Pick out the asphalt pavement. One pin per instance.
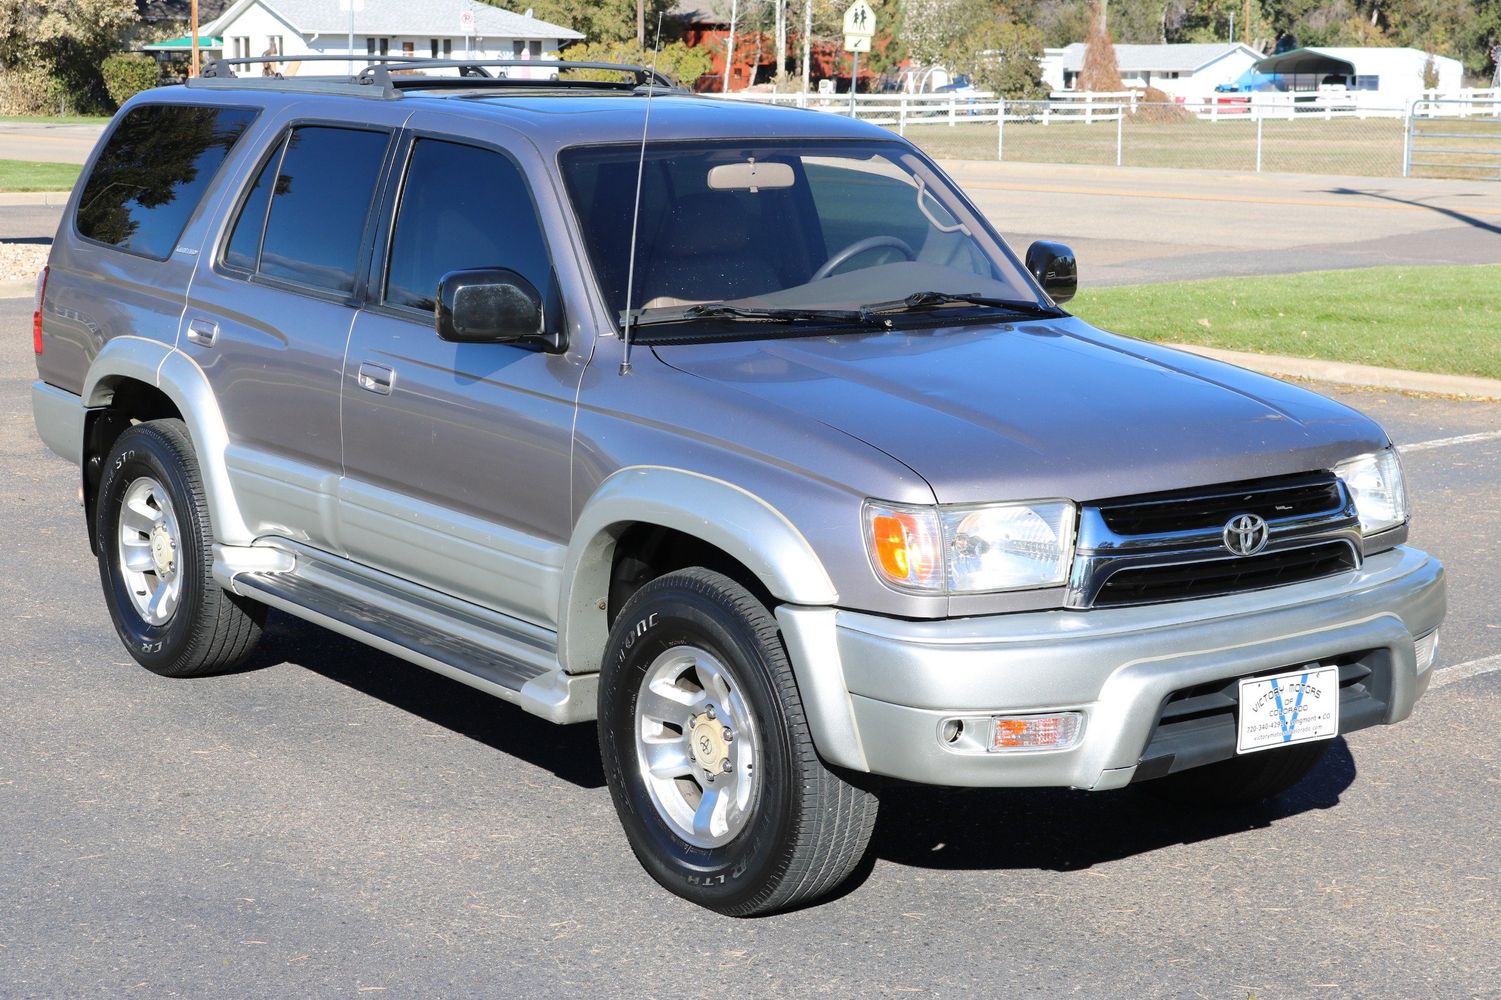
(1132, 225)
(332, 822)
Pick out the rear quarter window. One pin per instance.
(152, 173)
(305, 217)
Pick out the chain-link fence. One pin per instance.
(1324, 133)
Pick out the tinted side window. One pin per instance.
(462, 208)
(153, 171)
(245, 242)
(319, 206)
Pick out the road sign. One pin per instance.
(859, 20)
(466, 21)
(857, 43)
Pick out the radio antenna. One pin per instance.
(630, 274)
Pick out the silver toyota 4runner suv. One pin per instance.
(738, 429)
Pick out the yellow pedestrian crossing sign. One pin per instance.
(859, 20)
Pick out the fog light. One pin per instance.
(1426, 649)
(1035, 732)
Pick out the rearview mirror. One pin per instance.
(493, 306)
(1055, 269)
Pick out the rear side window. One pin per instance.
(153, 171)
(462, 208)
(305, 216)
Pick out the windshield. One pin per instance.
(781, 229)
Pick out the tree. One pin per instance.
(931, 28)
(677, 60)
(1101, 73)
(1010, 65)
(62, 43)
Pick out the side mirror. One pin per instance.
(493, 306)
(1055, 269)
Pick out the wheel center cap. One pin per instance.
(163, 552)
(710, 749)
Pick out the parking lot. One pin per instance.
(332, 822)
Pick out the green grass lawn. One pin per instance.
(1433, 319)
(57, 119)
(24, 175)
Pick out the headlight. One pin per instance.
(1375, 482)
(971, 549)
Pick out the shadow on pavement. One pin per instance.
(1455, 214)
(570, 752)
(1064, 830)
(942, 828)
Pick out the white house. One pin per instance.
(1394, 75)
(1179, 70)
(438, 29)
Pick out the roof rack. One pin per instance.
(376, 80)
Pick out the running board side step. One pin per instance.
(501, 656)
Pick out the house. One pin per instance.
(437, 29)
(1395, 74)
(1186, 71)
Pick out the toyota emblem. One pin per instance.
(1245, 534)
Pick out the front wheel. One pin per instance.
(708, 755)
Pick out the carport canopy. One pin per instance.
(1305, 62)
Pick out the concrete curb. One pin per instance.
(1342, 373)
(17, 289)
(51, 198)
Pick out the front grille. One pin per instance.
(1148, 584)
(1299, 496)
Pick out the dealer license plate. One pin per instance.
(1295, 707)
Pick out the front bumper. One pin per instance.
(877, 689)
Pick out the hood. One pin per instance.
(1051, 408)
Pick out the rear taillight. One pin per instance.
(36, 315)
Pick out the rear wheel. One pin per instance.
(156, 558)
(1241, 780)
(707, 752)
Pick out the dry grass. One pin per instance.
(1369, 147)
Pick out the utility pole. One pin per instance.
(1246, 24)
(641, 24)
(193, 17)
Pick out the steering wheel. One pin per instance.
(858, 247)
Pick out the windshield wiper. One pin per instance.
(756, 314)
(919, 300)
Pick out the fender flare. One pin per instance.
(742, 524)
(182, 381)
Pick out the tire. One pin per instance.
(158, 582)
(1241, 781)
(784, 829)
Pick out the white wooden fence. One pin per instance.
(956, 108)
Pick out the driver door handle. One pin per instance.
(375, 378)
(203, 332)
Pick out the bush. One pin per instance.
(32, 91)
(126, 75)
(1159, 106)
